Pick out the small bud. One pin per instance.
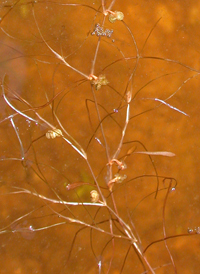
(94, 196)
(100, 81)
(52, 134)
(117, 15)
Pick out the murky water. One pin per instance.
(48, 52)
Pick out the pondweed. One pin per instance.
(93, 97)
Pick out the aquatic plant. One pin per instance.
(92, 98)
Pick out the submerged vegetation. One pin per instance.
(92, 103)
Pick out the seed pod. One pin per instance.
(94, 196)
